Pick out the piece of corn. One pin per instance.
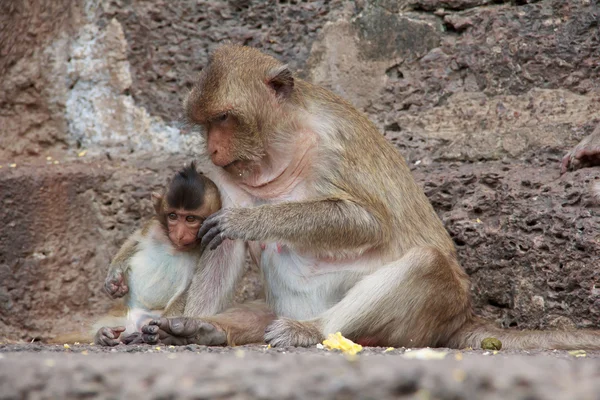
(338, 342)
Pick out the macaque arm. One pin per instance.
(214, 282)
(332, 224)
(177, 306)
(115, 283)
(127, 250)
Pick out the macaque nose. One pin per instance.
(218, 146)
(213, 148)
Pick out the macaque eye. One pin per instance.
(172, 216)
(190, 218)
(222, 117)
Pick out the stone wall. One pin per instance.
(481, 97)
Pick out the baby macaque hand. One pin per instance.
(115, 284)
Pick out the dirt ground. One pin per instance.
(35, 371)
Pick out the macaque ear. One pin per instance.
(157, 199)
(280, 79)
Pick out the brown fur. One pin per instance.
(313, 180)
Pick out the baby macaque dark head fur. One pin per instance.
(189, 199)
(187, 189)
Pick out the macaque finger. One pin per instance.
(208, 238)
(208, 224)
(216, 241)
(564, 164)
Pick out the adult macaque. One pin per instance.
(345, 238)
(154, 268)
(585, 154)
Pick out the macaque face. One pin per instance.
(183, 228)
(190, 198)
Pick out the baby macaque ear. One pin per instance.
(281, 80)
(157, 199)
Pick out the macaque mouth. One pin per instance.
(231, 164)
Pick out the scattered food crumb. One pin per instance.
(157, 348)
(320, 346)
(66, 346)
(77, 343)
(578, 353)
(338, 342)
(82, 153)
(171, 347)
(12, 165)
(48, 158)
(56, 161)
(426, 354)
(389, 349)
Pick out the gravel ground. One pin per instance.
(82, 371)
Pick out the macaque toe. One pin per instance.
(134, 338)
(150, 339)
(181, 331)
(150, 329)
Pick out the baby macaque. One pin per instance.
(154, 268)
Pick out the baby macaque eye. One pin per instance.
(172, 216)
(190, 218)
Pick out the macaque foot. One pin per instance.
(108, 336)
(585, 154)
(181, 331)
(115, 284)
(285, 332)
(134, 338)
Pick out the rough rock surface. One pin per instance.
(194, 372)
(481, 97)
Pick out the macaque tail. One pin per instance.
(579, 339)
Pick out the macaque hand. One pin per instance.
(227, 223)
(115, 284)
(108, 336)
(585, 154)
(180, 331)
